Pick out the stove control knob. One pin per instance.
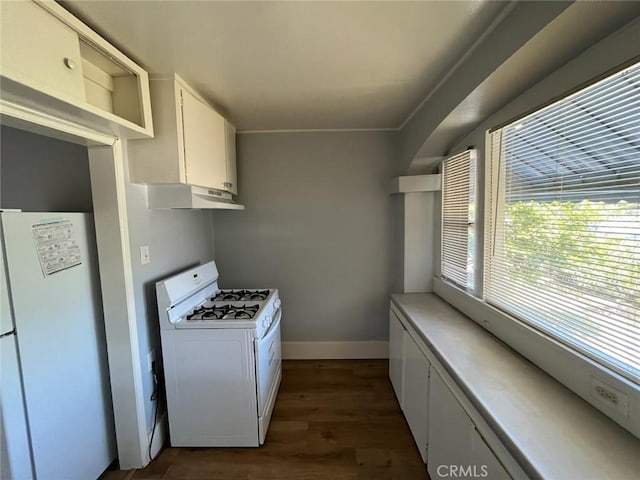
(276, 304)
(267, 321)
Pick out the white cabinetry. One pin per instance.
(456, 449)
(416, 392)
(204, 153)
(396, 333)
(409, 374)
(35, 42)
(446, 436)
(194, 145)
(230, 143)
(52, 62)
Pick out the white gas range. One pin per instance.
(222, 360)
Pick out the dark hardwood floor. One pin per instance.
(334, 420)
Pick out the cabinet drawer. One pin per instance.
(39, 50)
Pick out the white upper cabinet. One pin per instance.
(51, 62)
(232, 175)
(35, 42)
(194, 145)
(203, 130)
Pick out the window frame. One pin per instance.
(472, 219)
(499, 176)
(571, 368)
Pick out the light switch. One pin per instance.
(144, 255)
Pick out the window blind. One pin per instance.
(563, 210)
(458, 218)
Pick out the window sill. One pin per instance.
(548, 430)
(570, 368)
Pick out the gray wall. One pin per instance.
(40, 174)
(317, 226)
(177, 240)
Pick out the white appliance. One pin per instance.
(56, 416)
(222, 360)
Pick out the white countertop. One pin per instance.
(549, 430)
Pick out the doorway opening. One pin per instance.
(104, 157)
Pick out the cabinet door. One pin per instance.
(482, 455)
(39, 50)
(395, 354)
(415, 396)
(456, 450)
(449, 430)
(230, 141)
(204, 143)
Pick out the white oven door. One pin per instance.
(268, 361)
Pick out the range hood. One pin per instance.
(178, 196)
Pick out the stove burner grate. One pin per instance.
(225, 312)
(241, 295)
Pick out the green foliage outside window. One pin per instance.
(589, 247)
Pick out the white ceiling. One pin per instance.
(299, 65)
(574, 30)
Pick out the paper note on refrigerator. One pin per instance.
(56, 247)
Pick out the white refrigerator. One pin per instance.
(56, 416)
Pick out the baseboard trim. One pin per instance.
(334, 350)
(160, 435)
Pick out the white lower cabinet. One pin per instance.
(482, 455)
(446, 436)
(409, 374)
(416, 392)
(396, 333)
(456, 449)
